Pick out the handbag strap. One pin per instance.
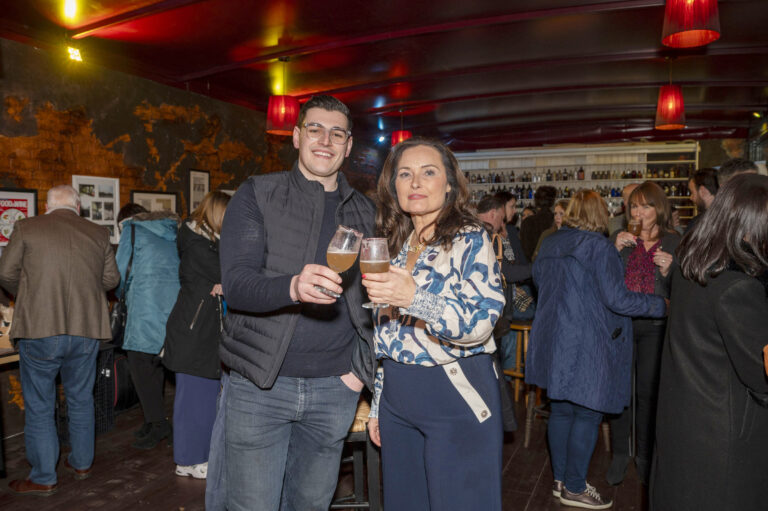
(498, 250)
(130, 262)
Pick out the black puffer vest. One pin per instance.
(254, 344)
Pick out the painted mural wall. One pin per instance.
(59, 118)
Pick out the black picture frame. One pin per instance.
(156, 201)
(199, 186)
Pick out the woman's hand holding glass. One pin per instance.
(396, 287)
(625, 239)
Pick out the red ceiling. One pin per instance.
(481, 74)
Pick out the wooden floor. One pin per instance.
(128, 479)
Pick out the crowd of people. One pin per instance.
(271, 348)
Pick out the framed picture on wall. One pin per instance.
(155, 201)
(15, 204)
(199, 184)
(99, 201)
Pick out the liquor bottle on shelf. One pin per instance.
(511, 176)
(529, 192)
(673, 190)
(549, 175)
(580, 174)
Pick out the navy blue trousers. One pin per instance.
(436, 455)
(194, 410)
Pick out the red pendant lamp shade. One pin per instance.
(400, 135)
(670, 110)
(689, 23)
(282, 113)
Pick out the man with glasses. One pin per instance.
(298, 357)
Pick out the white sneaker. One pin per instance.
(199, 471)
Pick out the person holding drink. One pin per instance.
(298, 357)
(647, 250)
(436, 412)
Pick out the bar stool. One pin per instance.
(523, 329)
(364, 455)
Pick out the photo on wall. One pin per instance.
(155, 201)
(199, 184)
(15, 204)
(99, 201)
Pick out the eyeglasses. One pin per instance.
(317, 131)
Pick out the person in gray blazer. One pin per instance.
(59, 267)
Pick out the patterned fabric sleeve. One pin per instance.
(461, 306)
(378, 386)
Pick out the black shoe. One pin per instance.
(143, 430)
(157, 432)
(617, 470)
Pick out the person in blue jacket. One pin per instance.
(150, 292)
(581, 341)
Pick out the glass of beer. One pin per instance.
(342, 252)
(374, 258)
(634, 227)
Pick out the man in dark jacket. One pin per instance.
(59, 266)
(534, 225)
(298, 357)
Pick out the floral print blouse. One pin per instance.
(458, 299)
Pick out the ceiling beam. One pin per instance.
(344, 42)
(406, 106)
(125, 17)
(569, 60)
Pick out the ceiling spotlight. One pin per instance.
(382, 138)
(757, 115)
(70, 9)
(74, 54)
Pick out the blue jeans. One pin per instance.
(40, 360)
(216, 481)
(284, 444)
(572, 434)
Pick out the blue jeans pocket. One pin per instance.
(40, 349)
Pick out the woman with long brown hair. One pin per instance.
(192, 336)
(648, 261)
(436, 411)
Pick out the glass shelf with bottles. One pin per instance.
(653, 170)
(674, 188)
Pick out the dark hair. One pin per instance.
(545, 196)
(732, 229)
(735, 166)
(489, 203)
(650, 193)
(129, 210)
(707, 178)
(326, 103)
(505, 196)
(396, 225)
(210, 213)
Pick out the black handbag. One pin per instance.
(119, 314)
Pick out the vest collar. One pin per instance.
(305, 185)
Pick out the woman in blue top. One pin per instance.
(438, 416)
(152, 286)
(581, 341)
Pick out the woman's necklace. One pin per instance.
(417, 248)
